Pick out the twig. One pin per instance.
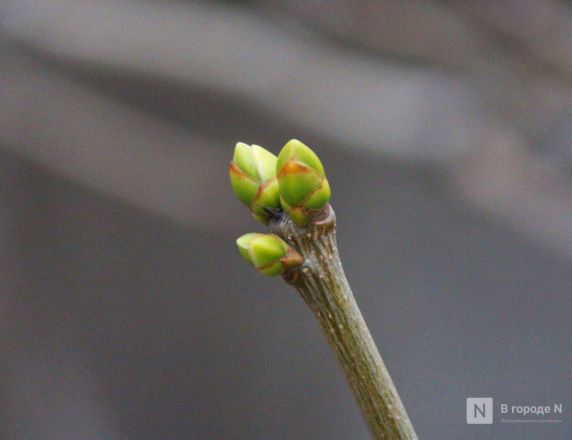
(323, 285)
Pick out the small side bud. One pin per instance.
(303, 187)
(253, 179)
(268, 253)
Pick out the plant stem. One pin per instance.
(323, 285)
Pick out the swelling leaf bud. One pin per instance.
(253, 179)
(304, 189)
(268, 253)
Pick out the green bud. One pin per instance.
(304, 189)
(253, 179)
(268, 253)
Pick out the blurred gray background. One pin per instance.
(125, 310)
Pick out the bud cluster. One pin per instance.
(294, 182)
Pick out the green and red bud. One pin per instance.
(253, 179)
(268, 253)
(303, 187)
